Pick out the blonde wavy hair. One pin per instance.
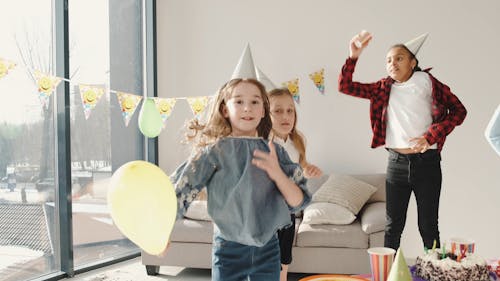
(217, 126)
(295, 135)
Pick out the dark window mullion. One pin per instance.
(63, 138)
(150, 67)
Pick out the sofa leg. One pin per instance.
(153, 269)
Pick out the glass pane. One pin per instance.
(96, 132)
(27, 241)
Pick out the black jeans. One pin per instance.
(286, 236)
(420, 173)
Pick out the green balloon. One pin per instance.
(150, 122)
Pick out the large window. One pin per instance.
(105, 51)
(100, 141)
(27, 243)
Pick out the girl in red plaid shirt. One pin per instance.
(411, 114)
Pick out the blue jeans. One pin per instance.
(232, 261)
(419, 173)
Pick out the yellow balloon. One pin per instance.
(143, 205)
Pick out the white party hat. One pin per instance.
(265, 80)
(399, 269)
(414, 44)
(245, 67)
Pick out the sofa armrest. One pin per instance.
(373, 217)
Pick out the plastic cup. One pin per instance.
(381, 260)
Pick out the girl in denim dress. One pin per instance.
(252, 185)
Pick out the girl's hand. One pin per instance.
(421, 145)
(268, 162)
(311, 171)
(354, 49)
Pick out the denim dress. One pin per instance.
(244, 203)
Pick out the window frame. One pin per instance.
(63, 218)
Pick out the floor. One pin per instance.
(133, 270)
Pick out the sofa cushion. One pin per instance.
(313, 184)
(327, 213)
(186, 230)
(373, 217)
(332, 235)
(378, 181)
(197, 210)
(346, 191)
(377, 239)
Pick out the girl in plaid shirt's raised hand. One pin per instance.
(411, 113)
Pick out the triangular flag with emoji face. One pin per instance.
(128, 104)
(46, 86)
(165, 107)
(90, 96)
(399, 269)
(293, 87)
(318, 80)
(5, 66)
(197, 105)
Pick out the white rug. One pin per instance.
(133, 270)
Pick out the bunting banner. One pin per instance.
(165, 107)
(128, 104)
(5, 66)
(90, 96)
(198, 105)
(318, 80)
(293, 87)
(46, 86)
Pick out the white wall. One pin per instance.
(199, 43)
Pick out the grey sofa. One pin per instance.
(324, 248)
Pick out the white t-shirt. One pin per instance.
(289, 147)
(409, 113)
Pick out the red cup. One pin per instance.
(381, 260)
